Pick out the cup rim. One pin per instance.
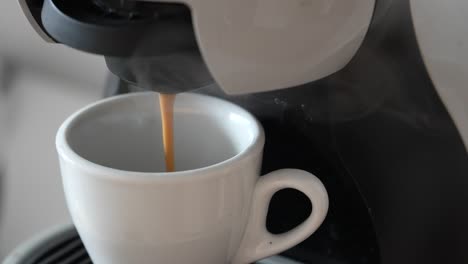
(67, 153)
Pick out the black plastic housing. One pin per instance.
(83, 26)
(152, 46)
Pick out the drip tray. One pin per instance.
(62, 245)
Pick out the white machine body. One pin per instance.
(261, 45)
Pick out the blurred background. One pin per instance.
(40, 85)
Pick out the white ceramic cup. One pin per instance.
(211, 211)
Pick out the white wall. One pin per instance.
(31, 198)
(20, 44)
(48, 82)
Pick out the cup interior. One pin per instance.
(125, 132)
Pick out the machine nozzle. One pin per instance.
(121, 8)
(151, 45)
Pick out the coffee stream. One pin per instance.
(166, 104)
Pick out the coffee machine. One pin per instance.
(366, 94)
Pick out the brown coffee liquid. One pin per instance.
(166, 103)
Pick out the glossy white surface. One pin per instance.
(261, 45)
(191, 216)
(442, 33)
(258, 242)
(23, 250)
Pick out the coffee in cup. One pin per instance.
(212, 210)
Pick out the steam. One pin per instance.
(170, 73)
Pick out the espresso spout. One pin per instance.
(150, 45)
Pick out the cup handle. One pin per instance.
(257, 242)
